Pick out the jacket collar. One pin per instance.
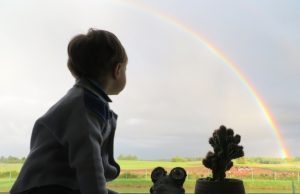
(94, 87)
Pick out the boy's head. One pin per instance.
(98, 55)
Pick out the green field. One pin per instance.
(135, 176)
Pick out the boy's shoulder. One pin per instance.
(77, 101)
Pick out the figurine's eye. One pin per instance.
(157, 173)
(178, 174)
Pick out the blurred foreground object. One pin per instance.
(168, 184)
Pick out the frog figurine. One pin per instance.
(168, 184)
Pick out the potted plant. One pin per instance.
(226, 148)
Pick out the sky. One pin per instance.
(178, 89)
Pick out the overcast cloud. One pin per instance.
(178, 92)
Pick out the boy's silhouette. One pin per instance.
(71, 147)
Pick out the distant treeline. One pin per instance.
(265, 160)
(127, 157)
(243, 160)
(12, 159)
(185, 159)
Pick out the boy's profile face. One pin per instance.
(120, 78)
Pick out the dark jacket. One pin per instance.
(72, 143)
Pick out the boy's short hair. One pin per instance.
(94, 54)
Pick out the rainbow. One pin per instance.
(259, 100)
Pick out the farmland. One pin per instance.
(135, 175)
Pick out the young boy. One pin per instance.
(71, 147)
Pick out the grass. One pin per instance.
(125, 164)
(128, 165)
(256, 186)
(6, 184)
(4, 167)
(142, 184)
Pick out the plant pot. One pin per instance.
(230, 186)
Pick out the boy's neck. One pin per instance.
(104, 85)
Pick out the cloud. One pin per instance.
(177, 93)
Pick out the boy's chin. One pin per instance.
(111, 94)
(114, 93)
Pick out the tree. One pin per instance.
(178, 159)
(127, 157)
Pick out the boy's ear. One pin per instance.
(117, 70)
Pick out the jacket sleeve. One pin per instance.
(83, 140)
